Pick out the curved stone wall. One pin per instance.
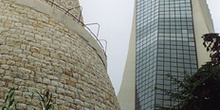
(40, 53)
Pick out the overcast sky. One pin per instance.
(115, 18)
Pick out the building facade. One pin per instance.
(45, 46)
(165, 39)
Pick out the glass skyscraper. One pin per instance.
(165, 43)
(166, 39)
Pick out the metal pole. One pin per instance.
(106, 43)
(97, 25)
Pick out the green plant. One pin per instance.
(45, 100)
(10, 102)
(199, 91)
(212, 45)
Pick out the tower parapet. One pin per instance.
(68, 6)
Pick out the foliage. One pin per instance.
(45, 100)
(10, 102)
(212, 44)
(197, 92)
(201, 91)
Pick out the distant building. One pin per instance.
(45, 46)
(165, 38)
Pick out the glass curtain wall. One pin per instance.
(146, 52)
(165, 44)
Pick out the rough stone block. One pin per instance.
(51, 88)
(60, 91)
(5, 67)
(2, 71)
(29, 84)
(24, 70)
(2, 83)
(45, 44)
(46, 81)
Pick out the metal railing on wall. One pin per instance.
(97, 24)
(67, 11)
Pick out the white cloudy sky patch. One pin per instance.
(115, 18)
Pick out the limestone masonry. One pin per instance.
(42, 48)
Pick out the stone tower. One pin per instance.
(44, 46)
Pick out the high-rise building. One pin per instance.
(165, 39)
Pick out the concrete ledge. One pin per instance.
(72, 25)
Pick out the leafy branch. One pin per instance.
(10, 101)
(200, 90)
(212, 44)
(45, 100)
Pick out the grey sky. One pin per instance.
(115, 18)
